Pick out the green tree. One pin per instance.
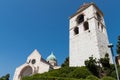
(107, 68)
(105, 61)
(91, 64)
(6, 77)
(118, 46)
(66, 63)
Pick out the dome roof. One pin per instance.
(51, 57)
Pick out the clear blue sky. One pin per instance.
(26, 25)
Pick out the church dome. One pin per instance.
(51, 57)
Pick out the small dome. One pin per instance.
(51, 57)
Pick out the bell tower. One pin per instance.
(87, 35)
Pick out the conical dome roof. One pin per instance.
(51, 57)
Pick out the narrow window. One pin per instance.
(98, 16)
(102, 27)
(29, 60)
(76, 30)
(86, 26)
(80, 18)
(98, 25)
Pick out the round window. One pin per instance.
(33, 61)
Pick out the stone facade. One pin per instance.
(34, 64)
(87, 35)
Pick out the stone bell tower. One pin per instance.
(87, 35)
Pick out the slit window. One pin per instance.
(102, 28)
(98, 16)
(98, 25)
(86, 26)
(76, 30)
(80, 19)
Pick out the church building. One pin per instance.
(87, 35)
(36, 64)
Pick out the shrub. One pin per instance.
(108, 78)
(80, 72)
(91, 64)
(91, 77)
(64, 72)
(105, 61)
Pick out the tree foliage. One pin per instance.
(101, 67)
(67, 73)
(80, 72)
(6, 77)
(105, 61)
(91, 71)
(64, 73)
(91, 64)
(118, 46)
(66, 63)
(92, 77)
(108, 78)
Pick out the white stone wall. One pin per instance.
(18, 71)
(39, 66)
(89, 42)
(43, 67)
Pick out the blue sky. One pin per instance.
(26, 25)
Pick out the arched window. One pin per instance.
(86, 26)
(80, 19)
(76, 30)
(26, 71)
